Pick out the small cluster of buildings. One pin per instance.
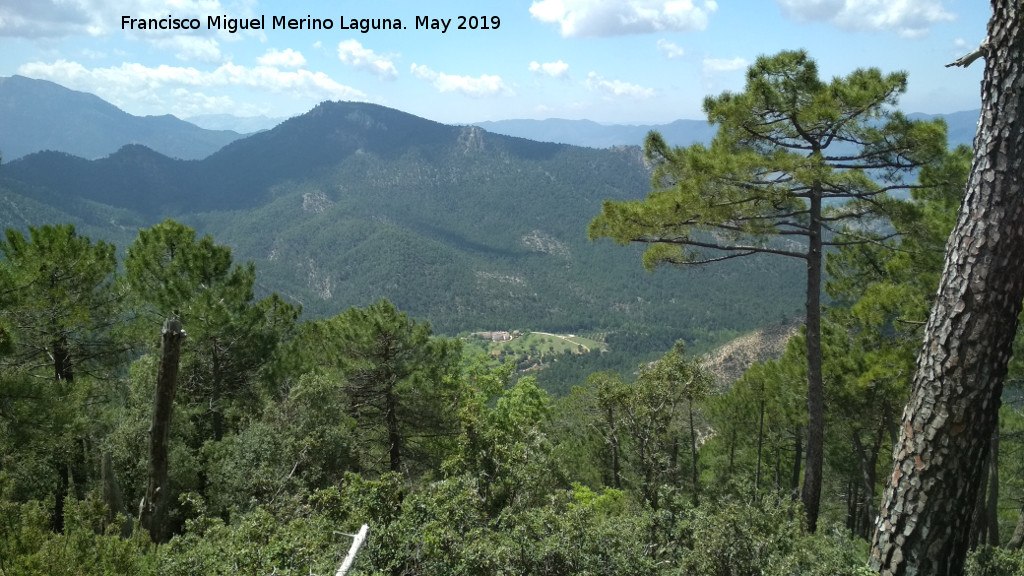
(500, 336)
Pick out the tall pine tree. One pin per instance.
(795, 158)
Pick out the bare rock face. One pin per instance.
(730, 361)
(544, 243)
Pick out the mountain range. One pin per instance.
(353, 202)
(38, 115)
(961, 129)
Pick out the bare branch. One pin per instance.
(968, 59)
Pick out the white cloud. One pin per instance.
(670, 49)
(909, 18)
(617, 88)
(190, 48)
(557, 69)
(59, 18)
(287, 58)
(352, 53)
(620, 17)
(718, 65)
(484, 85)
(173, 88)
(48, 18)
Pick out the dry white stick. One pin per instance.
(968, 59)
(357, 541)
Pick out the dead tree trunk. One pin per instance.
(924, 522)
(153, 510)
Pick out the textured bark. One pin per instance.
(924, 522)
(153, 510)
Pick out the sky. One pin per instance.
(610, 61)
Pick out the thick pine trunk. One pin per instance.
(811, 495)
(924, 523)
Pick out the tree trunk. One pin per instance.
(778, 470)
(992, 503)
(111, 494)
(924, 523)
(394, 439)
(62, 366)
(798, 458)
(63, 480)
(1017, 539)
(811, 495)
(614, 439)
(868, 459)
(851, 506)
(693, 454)
(979, 528)
(218, 414)
(760, 444)
(153, 510)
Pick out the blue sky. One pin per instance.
(612, 61)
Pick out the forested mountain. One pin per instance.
(39, 115)
(352, 202)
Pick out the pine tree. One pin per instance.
(794, 159)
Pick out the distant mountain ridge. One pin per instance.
(37, 115)
(962, 126)
(593, 135)
(240, 124)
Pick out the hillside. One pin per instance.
(729, 361)
(353, 202)
(38, 115)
